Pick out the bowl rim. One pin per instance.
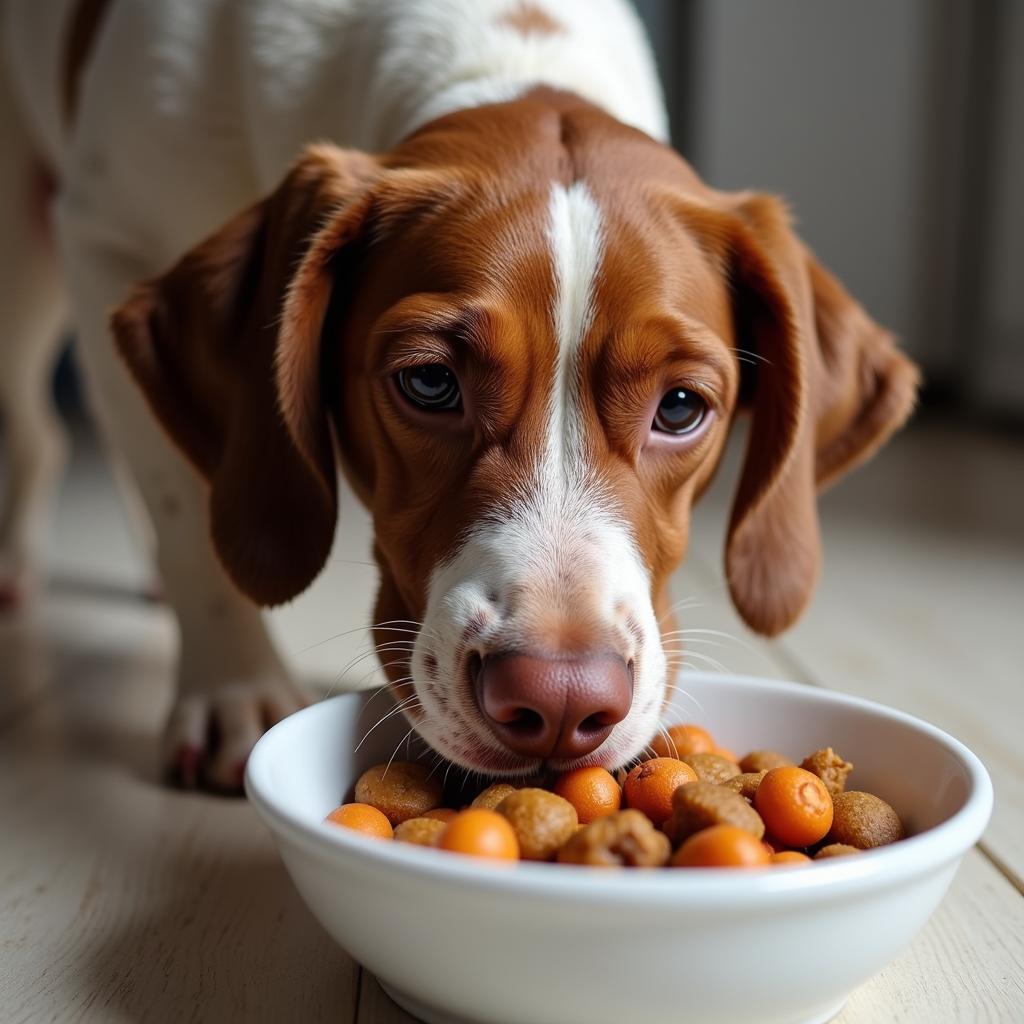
(888, 866)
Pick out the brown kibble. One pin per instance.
(623, 839)
(444, 814)
(745, 784)
(864, 821)
(763, 761)
(829, 767)
(835, 850)
(420, 831)
(401, 790)
(699, 805)
(492, 796)
(712, 767)
(542, 821)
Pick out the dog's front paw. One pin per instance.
(18, 583)
(208, 735)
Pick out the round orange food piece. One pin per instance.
(592, 791)
(649, 786)
(721, 846)
(790, 857)
(479, 832)
(795, 804)
(680, 740)
(362, 818)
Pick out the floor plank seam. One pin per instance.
(1001, 866)
(360, 971)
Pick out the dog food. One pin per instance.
(480, 833)
(402, 790)
(362, 818)
(620, 839)
(745, 784)
(699, 805)
(650, 785)
(711, 767)
(835, 850)
(763, 760)
(787, 857)
(829, 767)
(592, 791)
(493, 795)
(694, 805)
(722, 846)
(795, 805)
(864, 821)
(420, 831)
(542, 821)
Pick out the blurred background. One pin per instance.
(896, 132)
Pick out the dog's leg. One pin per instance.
(32, 314)
(231, 684)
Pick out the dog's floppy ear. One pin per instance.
(226, 348)
(828, 388)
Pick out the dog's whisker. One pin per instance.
(395, 754)
(376, 652)
(669, 742)
(678, 606)
(690, 697)
(397, 709)
(708, 660)
(359, 629)
(686, 641)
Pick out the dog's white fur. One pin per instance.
(558, 554)
(188, 111)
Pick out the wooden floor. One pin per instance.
(122, 901)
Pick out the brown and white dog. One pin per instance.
(490, 291)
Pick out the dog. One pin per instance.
(445, 246)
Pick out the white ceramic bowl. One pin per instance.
(458, 940)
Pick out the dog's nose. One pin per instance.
(553, 707)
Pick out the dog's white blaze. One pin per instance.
(574, 233)
(559, 545)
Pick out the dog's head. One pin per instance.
(526, 331)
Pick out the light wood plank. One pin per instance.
(121, 900)
(965, 966)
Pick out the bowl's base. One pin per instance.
(429, 1015)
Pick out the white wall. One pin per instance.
(822, 101)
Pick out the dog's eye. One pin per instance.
(680, 412)
(432, 387)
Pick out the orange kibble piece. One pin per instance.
(682, 740)
(592, 791)
(649, 786)
(440, 814)
(362, 818)
(790, 857)
(795, 804)
(479, 832)
(721, 846)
